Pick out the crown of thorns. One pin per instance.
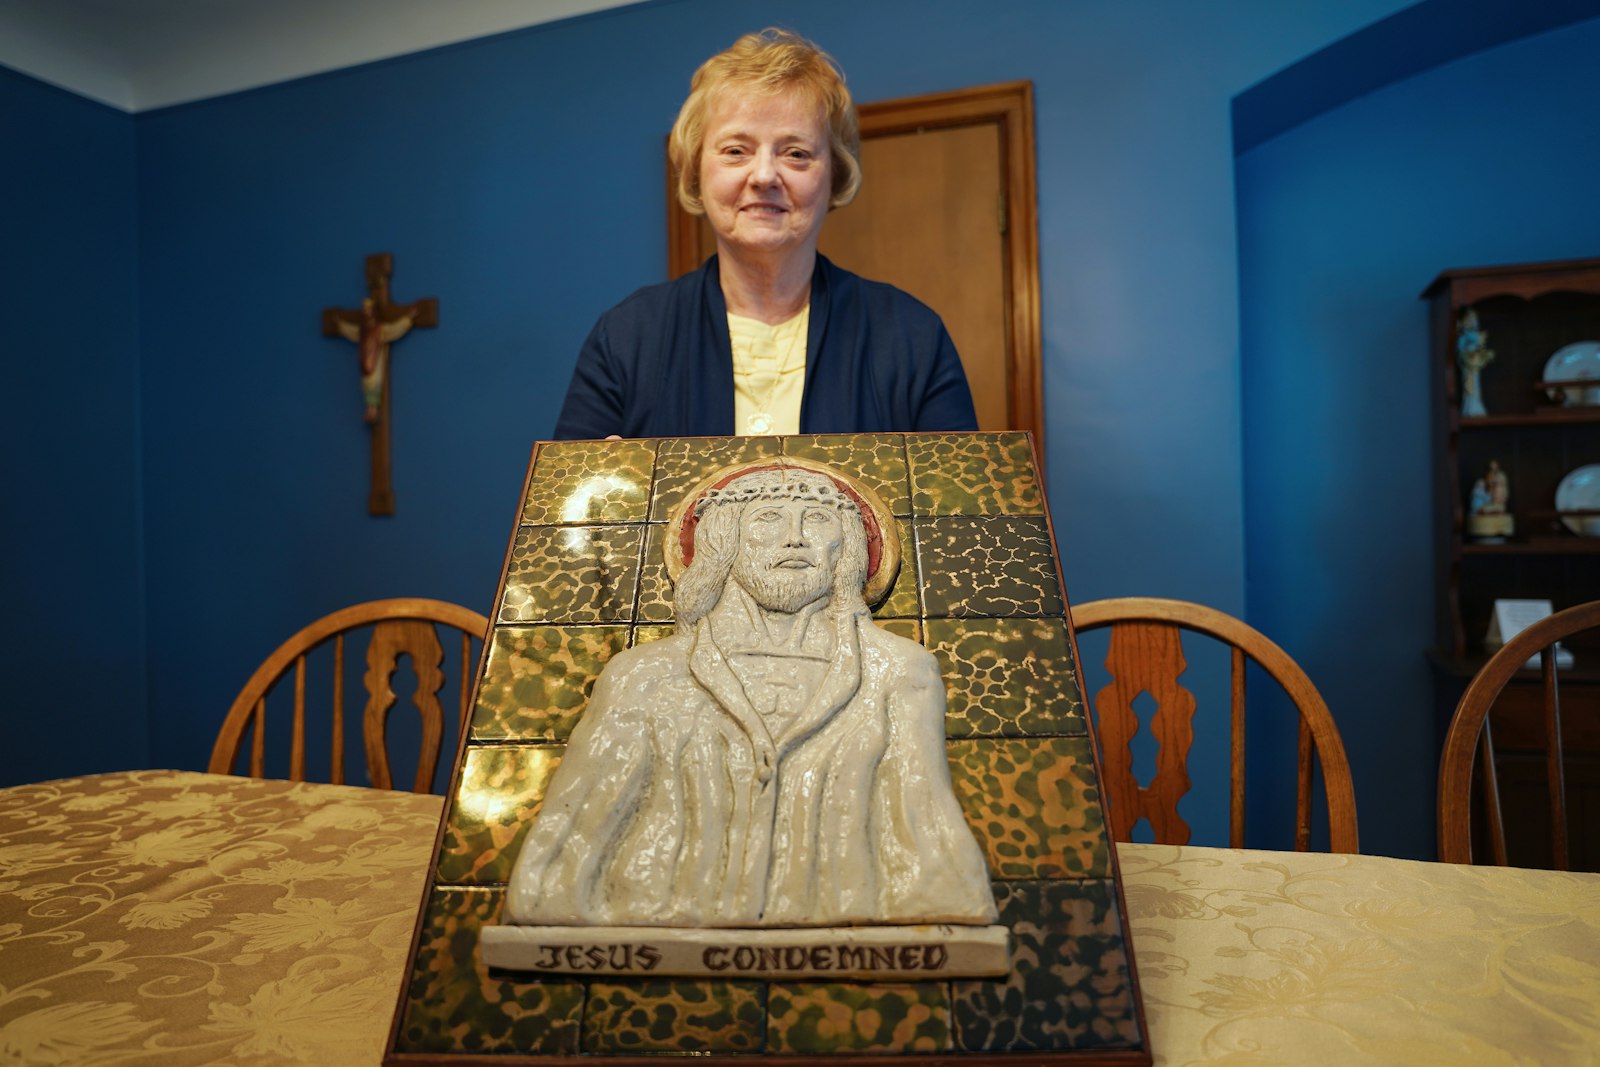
(818, 493)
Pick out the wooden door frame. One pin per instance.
(1010, 106)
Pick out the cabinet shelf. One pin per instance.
(1542, 417)
(1525, 313)
(1464, 668)
(1539, 546)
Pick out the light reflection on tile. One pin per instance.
(572, 574)
(538, 680)
(589, 482)
(502, 787)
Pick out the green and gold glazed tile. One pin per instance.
(453, 1004)
(1033, 804)
(538, 680)
(655, 588)
(910, 629)
(674, 1015)
(1007, 677)
(978, 474)
(572, 574)
(877, 459)
(590, 482)
(1069, 986)
(978, 585)
(653, 632)
(902, 603)
(826, 1018)
(683, 462)
(994, 567)
(501, 789)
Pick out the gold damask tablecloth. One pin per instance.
(171, 918)
(165, 917)
(1251, 958)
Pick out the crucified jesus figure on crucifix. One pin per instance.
(373, 326)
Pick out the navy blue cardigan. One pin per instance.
(659, 364)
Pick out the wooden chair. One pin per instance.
(1469, 740)
(1146, 656)
(402, 626)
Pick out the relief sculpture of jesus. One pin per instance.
(778, 762)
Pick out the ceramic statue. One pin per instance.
(779, 761)
(1489, 506)
(1472, 354)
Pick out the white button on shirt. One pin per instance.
(769, 373)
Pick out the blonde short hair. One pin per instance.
(772, 61)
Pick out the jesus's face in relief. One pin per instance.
(787, 552)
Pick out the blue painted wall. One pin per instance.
(73, 591)
(1342, 222)
(1418, 38)
(519, 180)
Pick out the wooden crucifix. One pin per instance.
(374, 326)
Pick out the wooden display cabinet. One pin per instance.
(1527, 313)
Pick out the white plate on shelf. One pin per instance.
(1577, 362)
(1580, 491)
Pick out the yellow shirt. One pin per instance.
(769, 373)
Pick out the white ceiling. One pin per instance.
(140, 54)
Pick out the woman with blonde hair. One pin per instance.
(768, 336)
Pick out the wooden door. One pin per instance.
(947, 213)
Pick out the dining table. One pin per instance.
(173, 918)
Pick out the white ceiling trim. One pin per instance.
(140, 54)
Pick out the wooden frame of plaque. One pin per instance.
(585, 577)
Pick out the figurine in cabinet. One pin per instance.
(1489, 511)
(1472, 354)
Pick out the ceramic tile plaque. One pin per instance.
(979, 585)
